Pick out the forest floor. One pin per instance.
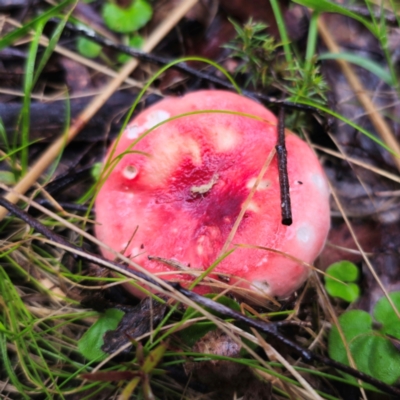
(66, 89)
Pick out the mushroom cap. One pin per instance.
(178, 191)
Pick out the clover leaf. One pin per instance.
(346, 273)
(126, 20)
(372, 351)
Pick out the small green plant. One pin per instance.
(264, 65)
(138, 373)
(340, 281)
(126, 20)
(306, 81)
(372, 348)
(257, 51)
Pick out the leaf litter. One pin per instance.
(369, 199)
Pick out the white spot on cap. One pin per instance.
(130, 172)
(320, 183)
(135, 252)
(262, 262)
(264, 184)
(132, 131)
(253, 207)
(305, 233)
(124, 246)
(156, 117)
(261, 286)
(225, 138)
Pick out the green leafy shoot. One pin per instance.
(263, 65)
(340, 281)
(256, 50)
(306, 83)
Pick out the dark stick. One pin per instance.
(35, 224)
(281, 154)
(270, 328)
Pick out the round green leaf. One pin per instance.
(353, 323)
(384, 360)
(88, 48)
(92, 340)
(126, 20)
(343, 287)
(376, 356)
(373, 353)
(384, 313)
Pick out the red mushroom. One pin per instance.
(177, 194)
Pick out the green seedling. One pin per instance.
(373, 349)
(340, 281)
(260, 59)
(147, 367)
(140, 373)
(256, 49)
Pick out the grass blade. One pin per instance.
(369, 65)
